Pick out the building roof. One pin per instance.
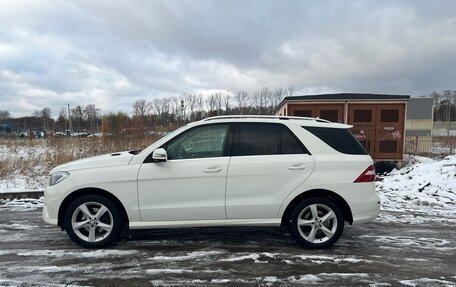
(345, 97)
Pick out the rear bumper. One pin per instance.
(365, 217)
(363, 201)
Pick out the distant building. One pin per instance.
(418, 128)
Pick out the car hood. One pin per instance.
(106, 160)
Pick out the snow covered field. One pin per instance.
(24, 167)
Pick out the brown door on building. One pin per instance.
(379, 128)
(362, 117)
(390, 129)
(331, 112)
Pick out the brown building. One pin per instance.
(378, 120)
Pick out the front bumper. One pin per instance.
(53, 198)
(47, 218)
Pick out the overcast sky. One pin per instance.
(112, 53)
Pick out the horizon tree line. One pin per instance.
(167, 113)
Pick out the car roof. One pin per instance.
(301, 121)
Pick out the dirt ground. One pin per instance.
(382, 253)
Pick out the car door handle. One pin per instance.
(297, 167)
(213, 170)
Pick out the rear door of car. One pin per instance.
(268, 162)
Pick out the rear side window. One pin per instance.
(341, 140)
(266, 139)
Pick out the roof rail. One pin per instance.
(265, 117)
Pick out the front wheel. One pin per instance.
(93, 221)
(316, 223)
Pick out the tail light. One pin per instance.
(367, 176)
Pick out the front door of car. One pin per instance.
(190, 184)
(268, 163)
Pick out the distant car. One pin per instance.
(308, 174)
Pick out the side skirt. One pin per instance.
(205, 223)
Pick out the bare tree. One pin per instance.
(4, 115)
(77, 118)
(45, 115)
(276, 97)
(218, 97)
(191, 105)
(241, 98)
(141, 109)
(201, 113)
(61, 120)
(261, 99)
(211, 103)
(226, 103)
(290, 91)
(165, 108)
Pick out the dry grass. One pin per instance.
(31, 160)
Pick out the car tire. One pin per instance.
(93, 221)
(316, 223)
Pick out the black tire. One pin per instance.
(314, 226)
(91, 235)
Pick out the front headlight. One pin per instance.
(57, 177)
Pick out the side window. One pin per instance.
(341, 140)
(259, 139)
(290, 144)
(267, 139)
(200, 142)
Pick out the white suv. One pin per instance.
(309, 174)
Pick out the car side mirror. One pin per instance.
(159, 155)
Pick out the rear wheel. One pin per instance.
(316, 223)
(93, 221)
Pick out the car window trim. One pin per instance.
(228, 142)
(237, 135)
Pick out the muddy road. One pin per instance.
(387, 252)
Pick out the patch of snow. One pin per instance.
(420, 281)
(270, 279)
(83, 254)
(220, 281)
(426, 243)
(168, 271)
(288, 261)
(303, 278)
(251, 256)
(17, 226)
(344, 275)
(319, 259)
(426, 187)
(6, 252)
(416, 259)
(188, 256)
(25, 204)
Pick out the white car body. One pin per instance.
(219, 191)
